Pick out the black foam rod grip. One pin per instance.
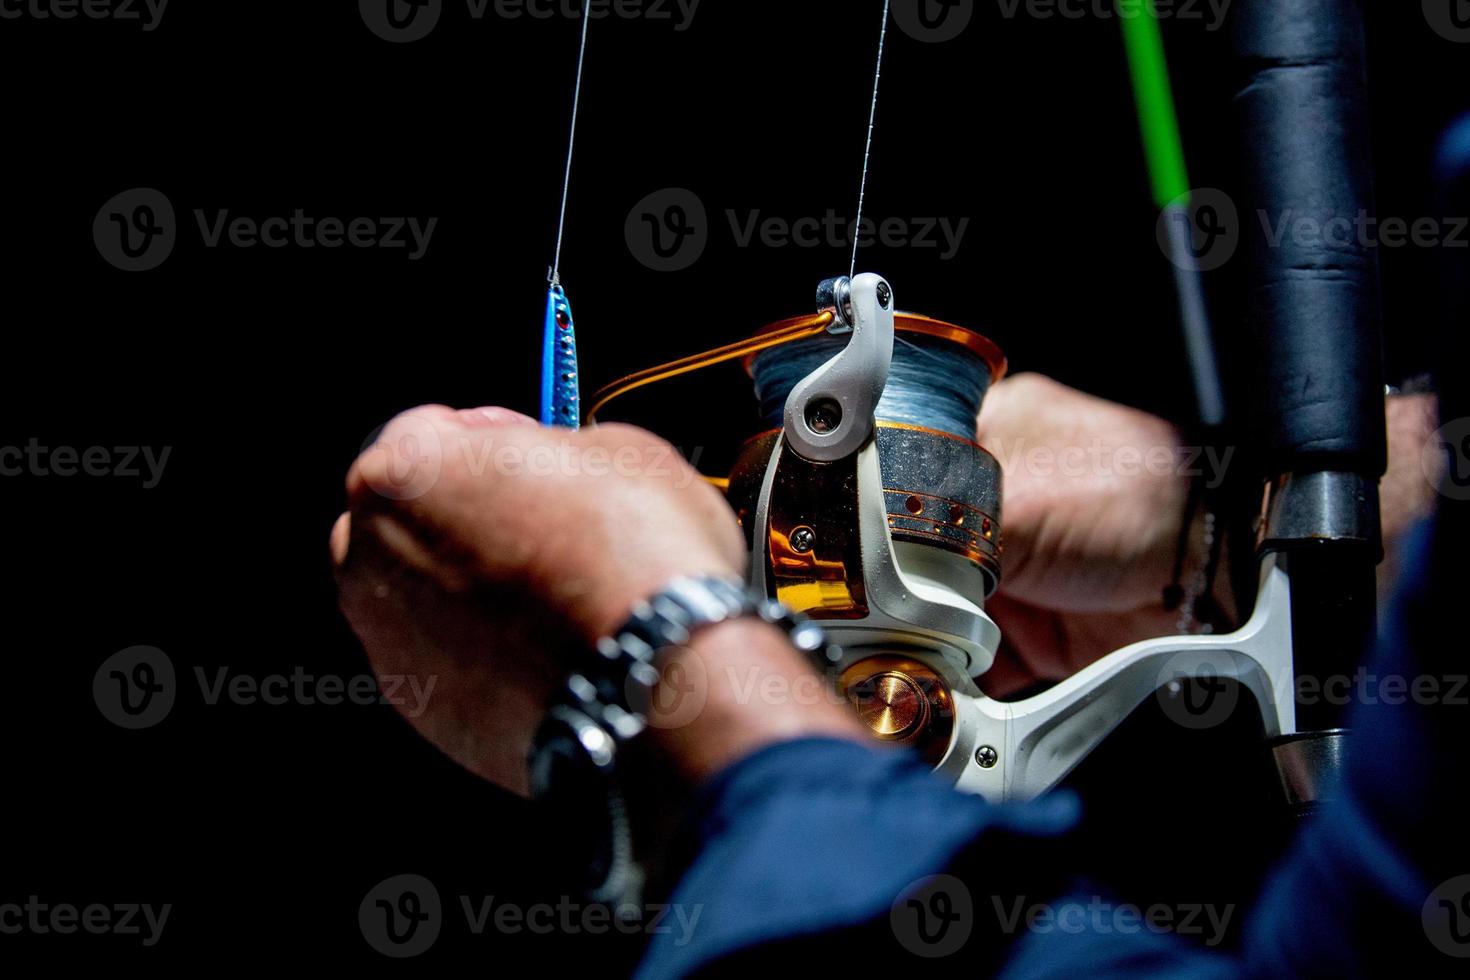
(1314, 307)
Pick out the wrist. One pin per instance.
(698, 675)
(736, 688)
(701, 669)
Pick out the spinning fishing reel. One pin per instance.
(881, 516)
(884, 523)
(888, 532)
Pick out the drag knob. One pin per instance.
(891, 704)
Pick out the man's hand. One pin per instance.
(1095, 495)
(480, 548)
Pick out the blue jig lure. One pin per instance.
(561, 400)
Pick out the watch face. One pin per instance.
(569, 749)
(573, 781)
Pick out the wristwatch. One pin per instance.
(606, 702)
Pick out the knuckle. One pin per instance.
(405, 461)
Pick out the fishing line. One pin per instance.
(566, 184)
(561, 392)
(932, 383)
(868, 150)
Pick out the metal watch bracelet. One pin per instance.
(607, 698)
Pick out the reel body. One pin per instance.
(886, 527)
(887, 531)
(896, 544)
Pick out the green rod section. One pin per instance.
(1162, 145)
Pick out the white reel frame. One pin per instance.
(1000, 750)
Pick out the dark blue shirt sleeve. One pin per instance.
(861, 857)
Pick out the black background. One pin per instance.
(266, 370)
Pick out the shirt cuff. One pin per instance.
(817, 835)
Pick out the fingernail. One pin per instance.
(341, 536)
(493, 415)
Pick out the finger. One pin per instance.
(493, 415)
(1033, 640)
(405, 459)
(1007, 676)
(341, 535)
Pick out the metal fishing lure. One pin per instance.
(561, 400)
